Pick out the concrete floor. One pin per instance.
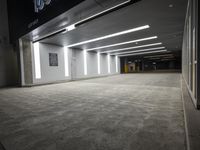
(123, 112)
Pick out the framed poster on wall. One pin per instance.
(53, 59)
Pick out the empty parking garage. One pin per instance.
(99, 75)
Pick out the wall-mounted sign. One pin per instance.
(40, 4)
(26, 15)
(53, 59)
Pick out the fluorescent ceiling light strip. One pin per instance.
(158, 56)
(123, 49)
(123, 43)
(154, 58)
(143, 50)
(110, 35)
(143, 53)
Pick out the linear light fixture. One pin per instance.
(85, 62)
(110, 35)
(123, 43)
(99, 63)
(135, 54)
(37, 60)
(128, 48)
(159, 55)
(108, 63)
(143, 50)
(167, 59)
(66, 60)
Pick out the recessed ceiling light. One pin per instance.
(123, 43)
(134, 54)
(143, 50)
(123, 49)
(110, 35)
(171, 5)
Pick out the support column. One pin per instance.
(26, 62)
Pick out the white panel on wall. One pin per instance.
(92, 63)
(51, 73)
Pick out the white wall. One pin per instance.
(50, 73)
(76, 64)
(92, 64)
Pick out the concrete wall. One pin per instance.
(8, 59)
(75, 64)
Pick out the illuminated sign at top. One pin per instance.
(40, 4)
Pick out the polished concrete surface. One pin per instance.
(122, 112)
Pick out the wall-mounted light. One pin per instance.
(66, 60)
(37, 60)
(85, 62)
(109, 71)
(99, 63)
